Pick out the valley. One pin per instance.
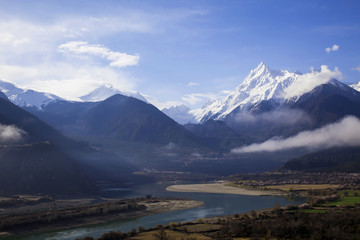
(179, 120)
(92, 162)
(312, 199)
(325, 205)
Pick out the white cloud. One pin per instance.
(161, 104)
(356, 69)
(15, 32)
(192, 84)
(29, 56)
(65, 79)
(11, 134)
(117, 59)
(195, 98)
(307, 82)
(333, 48)
(343, 133)
(188, 99)
(226, 92)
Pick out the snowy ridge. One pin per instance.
(103, 92)
(26, 98)
(180, 114)
(356, 86)
(261, 84)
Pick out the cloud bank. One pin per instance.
(343, 133)
(333, 48)
(195, 98)
(356, 69)
(22, 41)
(307, 82)
(11, 134)
(65, 79)
(117, 59)
(192, 84)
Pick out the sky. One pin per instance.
(173, 52)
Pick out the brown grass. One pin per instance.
(199, 228)
(174, 235)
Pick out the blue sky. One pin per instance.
(172, 51)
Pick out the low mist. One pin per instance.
(11, 134)
(343, 133)
(307, 82)
(283, 117)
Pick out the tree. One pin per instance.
(253, 214)
(162, 235)
(113, 236)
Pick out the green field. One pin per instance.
(301, 187)
(349, 198)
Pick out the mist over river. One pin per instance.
(214, 205)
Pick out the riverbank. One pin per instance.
(56, 220)
(222, 188)
(339, 212)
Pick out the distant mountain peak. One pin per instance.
(261, 68)
(105, 91)
(180, 113)
(26, 97)
(262, 83)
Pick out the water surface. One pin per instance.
(215, 205)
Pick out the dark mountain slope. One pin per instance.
(330, 160)
(212, 129)
(62, 115)
(3, 96)
(41, 169)
(328, 103)
(37, 164)
(126, 132)
(129, 119)
(119, 118)
(37, 130)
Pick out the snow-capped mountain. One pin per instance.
(103, 92)
(26, 97)
(261, 84)
(180, 114)
(356, 86)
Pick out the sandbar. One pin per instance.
(220, 188)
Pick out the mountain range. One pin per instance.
(261, 107)
(107, 136)
(26, 97)
(265, 89)
(30, 98)
(180, 113)
(103, 92)
(260, 85)
(118, 118)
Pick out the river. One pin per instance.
(215, 205)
